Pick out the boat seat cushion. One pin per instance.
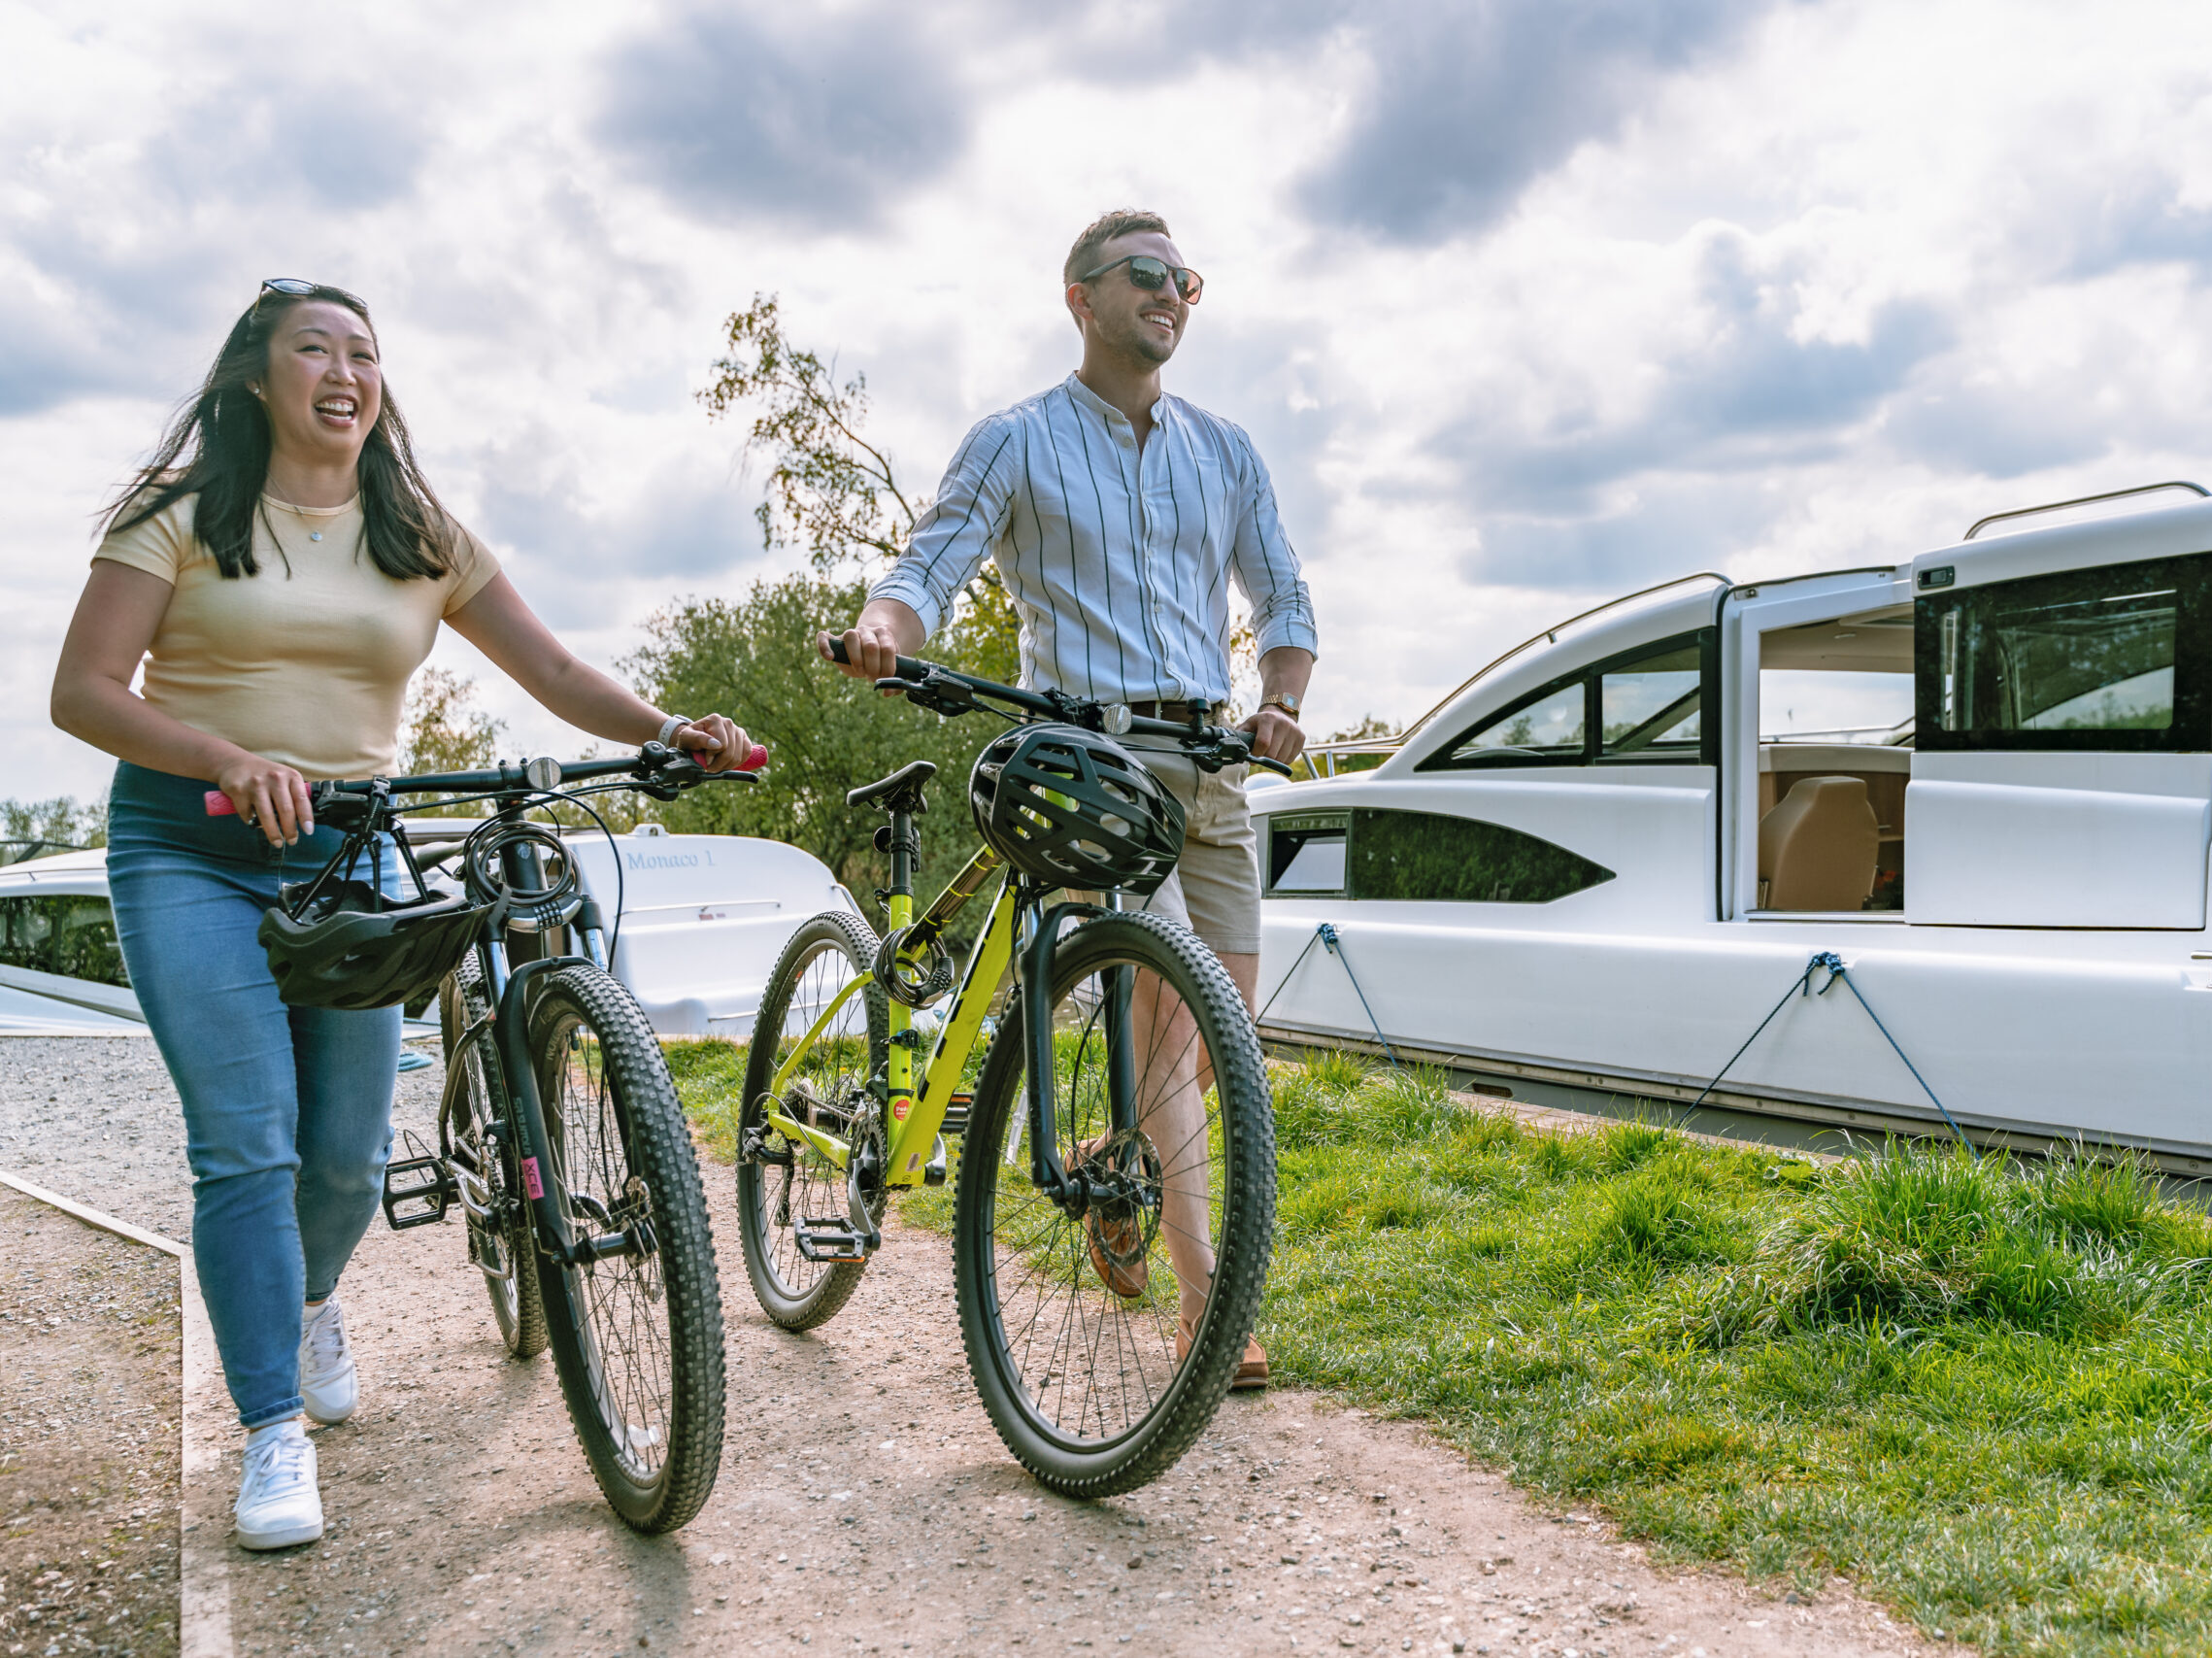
(1817, 848)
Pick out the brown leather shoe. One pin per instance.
(1250, 1369)
(1116, 1246)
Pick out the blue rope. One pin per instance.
(1325, 934)
(1837, 973)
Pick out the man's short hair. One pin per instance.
(1122, 221)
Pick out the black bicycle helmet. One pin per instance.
(350, 948)
(1073, 808)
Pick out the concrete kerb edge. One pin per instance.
(202, 1561)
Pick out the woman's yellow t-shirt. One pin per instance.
(306, 662)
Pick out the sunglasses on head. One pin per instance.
(299, 288)
(1150, 275)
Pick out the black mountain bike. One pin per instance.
(559, 1133)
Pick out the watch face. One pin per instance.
(1287, 703)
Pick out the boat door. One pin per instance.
(2064, 772)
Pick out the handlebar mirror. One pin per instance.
(542, 773)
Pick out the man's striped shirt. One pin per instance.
(1119, 562)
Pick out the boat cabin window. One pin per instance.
(2106, 659)
(70, 934)
(1642, 707)
(1419, 857)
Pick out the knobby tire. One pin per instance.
(1006, 1234)
(826, 951)
(637, 1338)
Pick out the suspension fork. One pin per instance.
(1033, 961)
(1121, 1051)
(541, 1189)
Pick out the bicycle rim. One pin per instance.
(1104, 1342)
(783, 1179)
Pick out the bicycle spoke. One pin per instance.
(1094, 1362)
(623, 1331)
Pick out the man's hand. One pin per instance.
(1275, 735)
(884, 631)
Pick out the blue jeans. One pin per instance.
(287, 1110)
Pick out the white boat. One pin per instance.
(1604, 861)
(703, 920)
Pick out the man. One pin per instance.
(1117, 516)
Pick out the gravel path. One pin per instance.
(865, 1504)
(88, 1451)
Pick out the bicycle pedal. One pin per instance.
(418, 1190)
(830, 1242)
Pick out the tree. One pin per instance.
(830, 491)
(834, 495)
(34, 829)
(446, 730)
(825, 734)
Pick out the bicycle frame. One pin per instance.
(917, 1116)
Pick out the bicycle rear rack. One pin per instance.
(418, 1190)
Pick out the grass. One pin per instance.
(1982, 1391)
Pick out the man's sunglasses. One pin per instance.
(299, 288)
(1150, 275)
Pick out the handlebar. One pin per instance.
(653, 767)
(949, 693)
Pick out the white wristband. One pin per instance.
(670, 726)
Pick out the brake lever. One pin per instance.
(939, 693)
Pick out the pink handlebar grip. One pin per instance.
(218, 804)
(754, 761)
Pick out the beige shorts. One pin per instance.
(1215, 889)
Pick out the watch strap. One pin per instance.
(670, 726)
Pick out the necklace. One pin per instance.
(296, 512)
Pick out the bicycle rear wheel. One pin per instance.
(783, 1182)
(1103, 1340)
(637, 1337)
(500, 1242)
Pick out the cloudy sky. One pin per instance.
(1526, 302)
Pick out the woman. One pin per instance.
(280, 569)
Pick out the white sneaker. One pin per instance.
(328, 1381)
(278, 1502)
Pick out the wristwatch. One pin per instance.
(670, 726)
(1284, 700)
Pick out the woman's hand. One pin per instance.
(271, 797)
(716, 743)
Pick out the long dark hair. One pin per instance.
(227, 430)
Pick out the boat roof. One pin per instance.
(2111, 529)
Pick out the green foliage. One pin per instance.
(753, 658)
(444, 731)
(37, 829)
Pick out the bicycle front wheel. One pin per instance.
(1103, 1334)
(637, 1337)
(784, 1183)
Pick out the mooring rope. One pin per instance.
(1327, 934)
(1837, 973)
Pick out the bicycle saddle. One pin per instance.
(900, 792)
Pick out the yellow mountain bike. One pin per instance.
(1115, 1203)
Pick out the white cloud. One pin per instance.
(1799, 285)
